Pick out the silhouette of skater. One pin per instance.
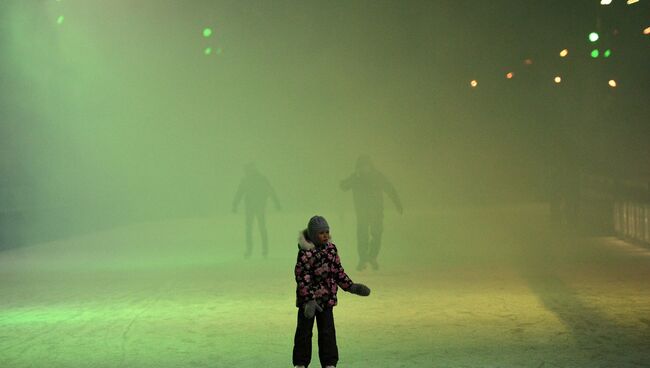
(368, 187)
(255, 189)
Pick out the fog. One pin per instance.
(117, 111)
(124, 143)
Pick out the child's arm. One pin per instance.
(304, 277)
(342, 278)
(344, 281)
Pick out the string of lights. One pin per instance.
(598, 49)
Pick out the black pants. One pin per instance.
(328, 352)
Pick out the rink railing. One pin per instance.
(632, 220)
(621, 206)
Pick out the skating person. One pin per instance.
(318, 273)
(368, 187)
(255, 189)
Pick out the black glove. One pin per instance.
(310, 309)
(360, 289)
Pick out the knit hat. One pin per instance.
(316, 224)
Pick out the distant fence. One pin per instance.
(629, 203)
(632, 220)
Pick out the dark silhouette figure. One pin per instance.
(368, 187)
(255, 189)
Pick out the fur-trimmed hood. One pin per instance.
(303, 241)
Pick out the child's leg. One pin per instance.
(328, 352)
(302, 339)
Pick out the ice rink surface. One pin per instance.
(464, 287)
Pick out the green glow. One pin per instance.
(607, 53)
(207, 32)
(593, 37)
(127, 170)
(60, 19)
(595, 53)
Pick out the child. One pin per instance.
(318, 272)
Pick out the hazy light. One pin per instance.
(595, 53)
(646, 31)
(218, 51)
(564, 53)
(60, 19)
(593, 37)
(607, 53)
(557, 79)
(207, 32)
(510, 75)
(528, 61)
(612, 83)
(207, 51)
(632, 1)
(605, 2)
(473, 83)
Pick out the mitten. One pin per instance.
(310, 309)
(360, 289)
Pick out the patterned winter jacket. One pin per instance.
(318, 273)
